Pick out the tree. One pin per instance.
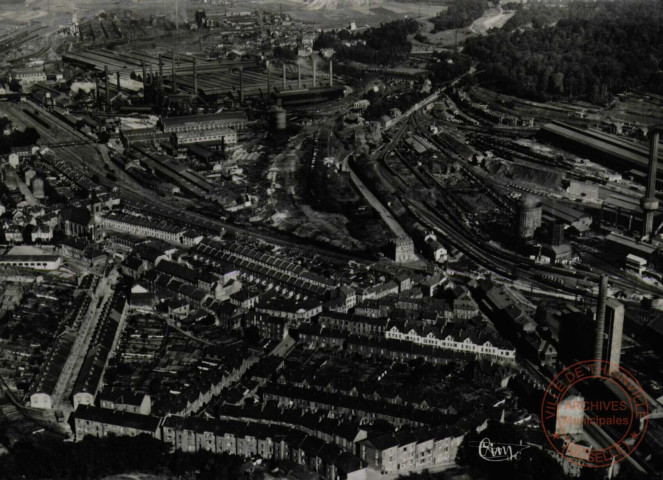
(15, 86)
(592, 51)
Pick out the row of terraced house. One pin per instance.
(191, 434)
(403, 451)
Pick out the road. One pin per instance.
(80, 348)
(386, 216)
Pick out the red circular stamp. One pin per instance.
(594, 413)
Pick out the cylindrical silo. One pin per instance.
(529, 216)
(278, 115)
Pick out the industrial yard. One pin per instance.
(310, 239)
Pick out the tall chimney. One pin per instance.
(313, 60)
(142, 64)
(160, 76)
(653, 162)
(107, 89)
(284, 85)
(174, 76)
(269, 82)
(241, 85)
(331, 74)
(649, 204)
(177, 16)
(195, 78)
(118, 82)
(600, 323)
(299, 76)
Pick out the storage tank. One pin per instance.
(278, 115)
(529, 216)
(38, 188)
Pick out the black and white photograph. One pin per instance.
(331, 240)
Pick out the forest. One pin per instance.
(384, 45)
(381, 105)
(460, 14)
(599, 51)
(445, 66)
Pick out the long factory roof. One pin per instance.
(132, 61)
(214, 77)
(199, 119)
(632, 153)
(559, 209)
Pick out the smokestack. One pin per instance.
(649, 204)
(284, 76)
(269, 82)
(331, 74)
(174, 76)
(653, 163)
(241, 85)
(107, 89)
(177, 16)
(600, 323)
(160, 75)
(142, 64)
(313, 60)
(299, 76)
(195, 78)
(160, 94)
(118, 82)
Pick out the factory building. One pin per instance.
(612, 151)
(28, 76)
(557, 234)
(226, 136)
(201, 123)
(635, 264)
(36, 262)
(212, 80)
(306, 97)
(620, 246)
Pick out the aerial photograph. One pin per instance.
(331, 239)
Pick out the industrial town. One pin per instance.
(329, 240)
